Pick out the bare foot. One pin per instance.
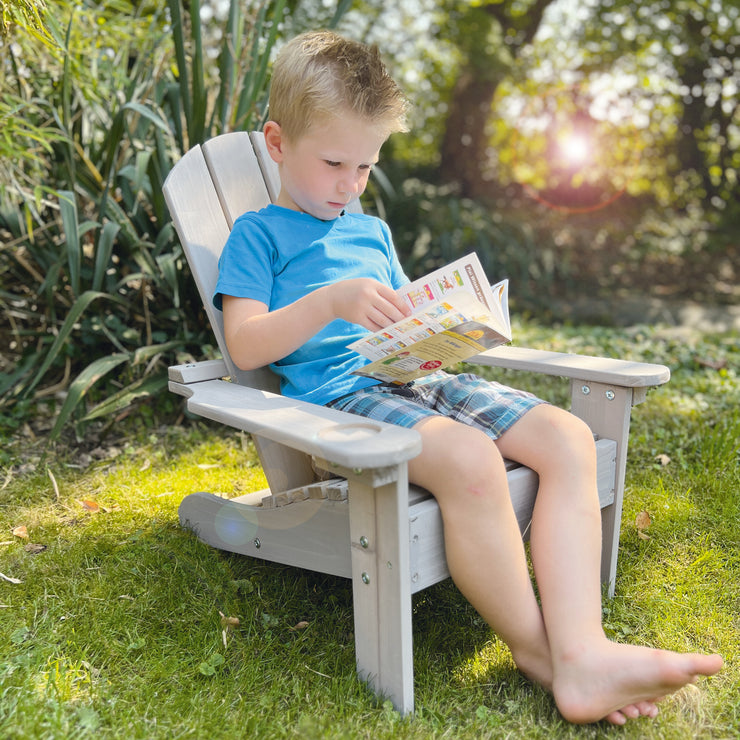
(618, 682)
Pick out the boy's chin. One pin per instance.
(328, 213)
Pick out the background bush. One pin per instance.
(93, 280)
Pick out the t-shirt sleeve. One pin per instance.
(245, 266)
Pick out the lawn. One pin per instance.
(116, 623)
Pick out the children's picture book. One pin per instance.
(456, 314)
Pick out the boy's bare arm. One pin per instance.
(256, 337)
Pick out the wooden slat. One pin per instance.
(381, 588)
(267, 165)
(201, 225)
(606, 410)
(313, 534)
(236, 174)
(196, 372)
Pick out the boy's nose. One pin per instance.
(350, 185)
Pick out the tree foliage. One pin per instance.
(663, 77)
(687, 54)
(491, 36)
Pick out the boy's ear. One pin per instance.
(274, 140)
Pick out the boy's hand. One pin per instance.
(367, 302)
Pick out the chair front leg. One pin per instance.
(606, 409)
(381, 584)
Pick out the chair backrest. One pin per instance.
(206, 191)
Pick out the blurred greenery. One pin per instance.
(98, 100)
(23, 13)
(93, 279)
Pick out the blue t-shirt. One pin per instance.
(278, 255)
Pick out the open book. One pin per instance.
(456, 314)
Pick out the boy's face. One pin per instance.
(328, 166)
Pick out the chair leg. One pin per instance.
(379, 531)
(606, 409)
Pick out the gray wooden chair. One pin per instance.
(366, 523)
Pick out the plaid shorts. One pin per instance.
(487, 405)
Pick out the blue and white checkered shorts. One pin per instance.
(487, 405)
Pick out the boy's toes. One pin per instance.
(631, 711)
(616, 718)
(647, 709)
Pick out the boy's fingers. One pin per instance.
(401, 309)
(394, 312)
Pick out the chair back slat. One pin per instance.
(202, 212)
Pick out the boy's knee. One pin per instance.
(567, 430)
(475, 461)
(570, 441)
(465, 458)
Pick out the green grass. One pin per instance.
(115, 630)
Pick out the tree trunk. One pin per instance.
(464, 151)
(464, 143)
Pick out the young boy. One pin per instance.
(302, 278)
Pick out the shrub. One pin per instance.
(93, 279)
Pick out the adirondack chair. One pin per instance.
(366, 522)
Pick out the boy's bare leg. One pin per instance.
(593, 678)
(485, 554)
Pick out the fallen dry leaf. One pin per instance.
(301, 625)
(229, 622)
(642, 522)
(34, 549)
(88, 505)
(9, 579)
(20, 531)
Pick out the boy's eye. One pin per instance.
(331, 163)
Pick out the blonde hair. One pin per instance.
(319, 75)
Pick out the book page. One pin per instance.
(456, 314)
(465, 272)
(458, 308)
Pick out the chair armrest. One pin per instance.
(195, 372)
(623, 373)
(339, 437)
